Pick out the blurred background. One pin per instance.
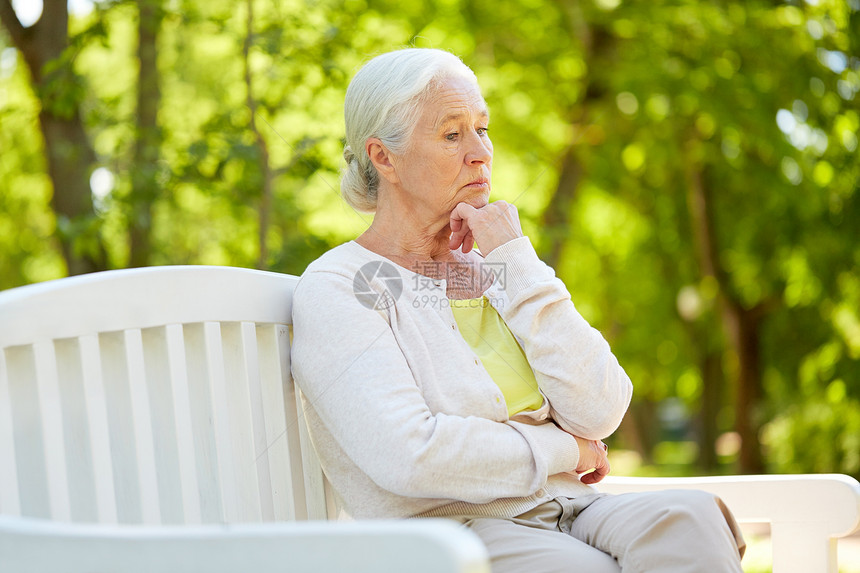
(690, 168)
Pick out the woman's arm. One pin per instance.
(352, 372)
(587, 389)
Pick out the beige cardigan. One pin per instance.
(404, 417)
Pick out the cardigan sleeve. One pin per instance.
(587, 389)
(347, 362)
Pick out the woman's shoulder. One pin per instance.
(346, 259)
(335, 267)
(324, 285)
(344, 269)
(342, 258)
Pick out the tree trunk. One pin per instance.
(70, 159)
(743, 328)
(710, 365)
(69, 155)
(556, 215)
(144, 175)
(640, 429)
(265, 207)
(595, 43)
(740, 326)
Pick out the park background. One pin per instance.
(690, 168)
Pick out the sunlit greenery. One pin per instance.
(612, 121)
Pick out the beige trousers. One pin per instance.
(674, 531)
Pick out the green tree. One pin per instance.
(145, 164)
(49, 53)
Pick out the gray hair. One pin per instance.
(383, 100)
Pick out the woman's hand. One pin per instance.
(491, 226)
(592, 455)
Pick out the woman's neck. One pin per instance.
(406, 238)
(417, 240)
(424, 255)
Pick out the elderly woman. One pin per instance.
(444, 381)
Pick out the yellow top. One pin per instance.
(489, 337)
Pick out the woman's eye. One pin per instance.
(483, 130)
(451, 136)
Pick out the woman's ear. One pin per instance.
(380, 156)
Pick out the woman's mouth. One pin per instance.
(479, 183)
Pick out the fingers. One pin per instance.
(490, 226)
(463, 237)
(600, 471)
(594, 465)
(596, 475)
(468, 242)
(455, 223)
(459, 224)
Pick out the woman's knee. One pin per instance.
(689, 497)
(706, 515)
(715, 516)
(697, 506)
(514, 548)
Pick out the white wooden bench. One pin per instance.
(148, 421)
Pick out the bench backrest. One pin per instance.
(155, 395)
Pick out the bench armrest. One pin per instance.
(807, 513)
(419, 546)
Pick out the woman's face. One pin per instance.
(450, 155)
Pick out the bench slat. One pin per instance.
(98, 428)
(10, 502)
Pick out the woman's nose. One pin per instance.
(480, 149)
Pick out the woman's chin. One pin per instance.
(479, 201)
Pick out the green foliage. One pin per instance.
(27, 253)
(822, 435)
